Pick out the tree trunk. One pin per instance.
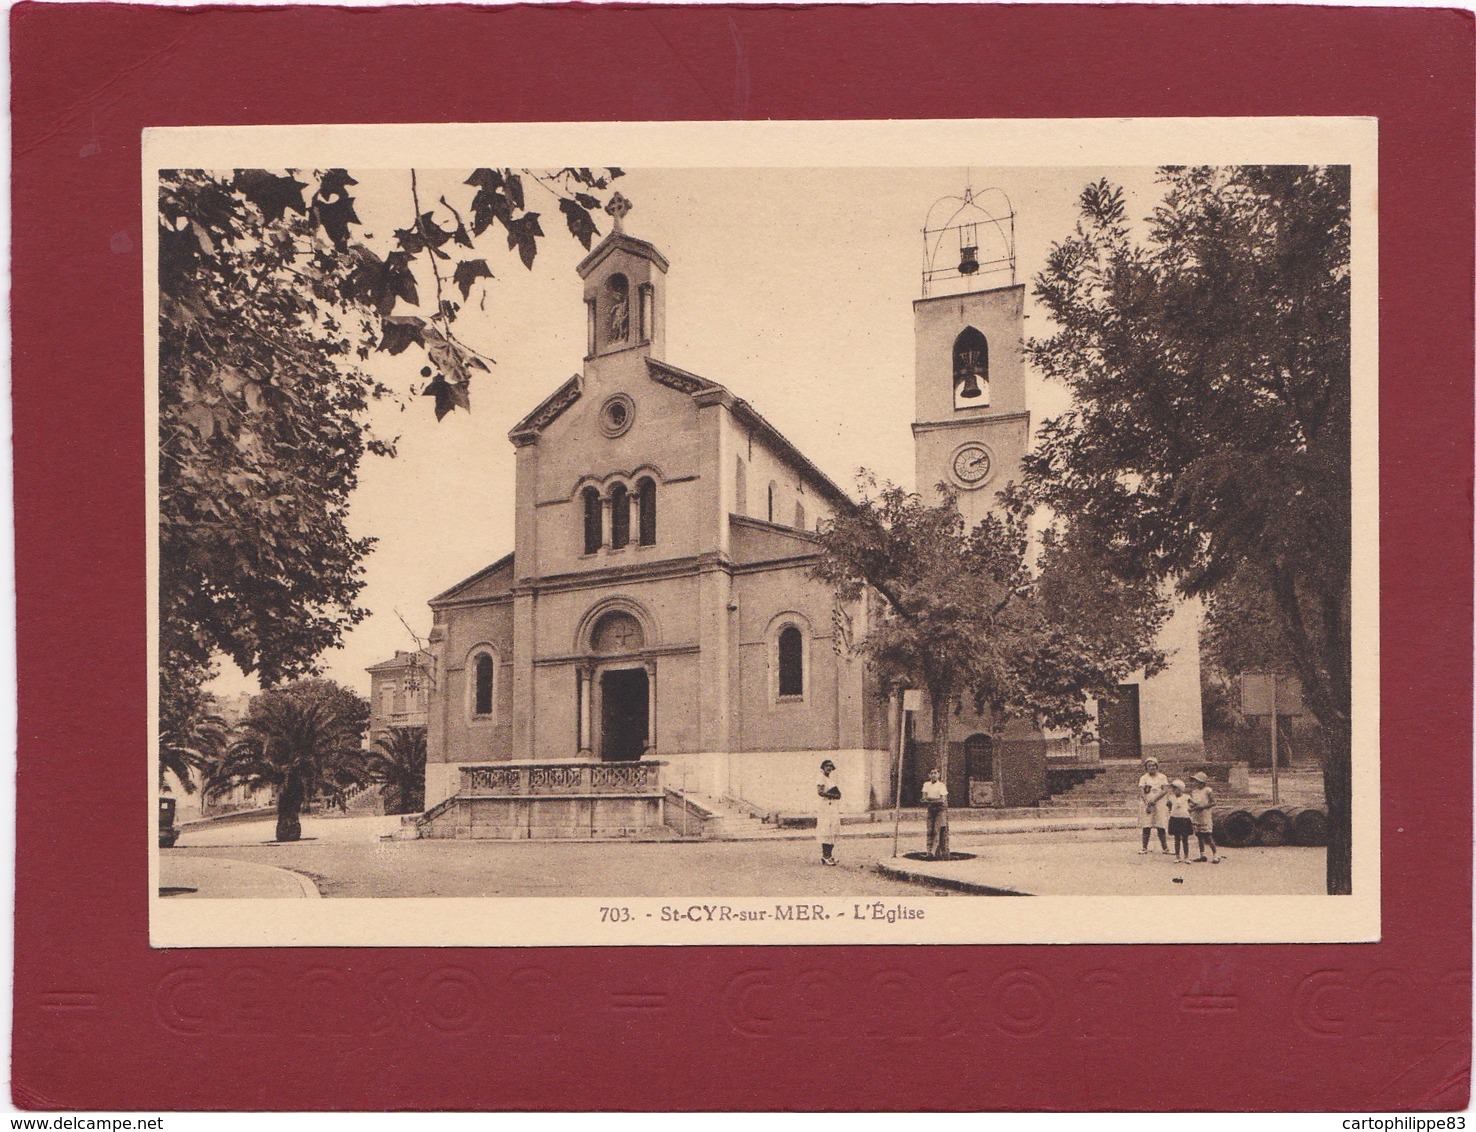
(1337, 790)
(940, 746)
(289, 806)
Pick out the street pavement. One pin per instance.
(1097, 864)
(556, 868)
(344, 857)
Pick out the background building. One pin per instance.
(399, 692)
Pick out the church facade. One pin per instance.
(657, 604)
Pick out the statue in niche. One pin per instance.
(619, 317)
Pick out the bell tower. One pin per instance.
(624, 292)
(971, 425)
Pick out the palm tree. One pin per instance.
(299, 740)
(195, 743)
(398, 761)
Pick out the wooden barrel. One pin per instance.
(1308, 825)
(1236, 830)
(1272, 826)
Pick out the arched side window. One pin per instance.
(791, 648)
(970, 370)
(594, 533)
(484, 675)
(619, 517)
(617, 309)
(773, 499)
(481, 684)
(799, 515)
(740, 491)
(646, 497)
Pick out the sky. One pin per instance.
(792, 287)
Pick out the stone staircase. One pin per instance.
(738, 822)
(364, 800)
(1115, 789)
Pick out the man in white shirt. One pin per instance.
(935, 797)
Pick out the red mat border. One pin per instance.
(1383, 1026)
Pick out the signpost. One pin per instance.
(906, 700)
(1270, 693)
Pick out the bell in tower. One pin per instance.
(971, 368)
(972, 425)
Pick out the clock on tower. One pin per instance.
(971, 426)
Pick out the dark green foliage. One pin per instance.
(397, 760)
(1208, 443)
(192, 737)
(261, 428)
(301, 740)
(964, 617)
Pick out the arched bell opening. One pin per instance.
(970, 370)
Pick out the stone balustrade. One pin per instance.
(561, 780)
(583, 800)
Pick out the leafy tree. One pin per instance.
(397, 760)
(967, 619)
(271, 300)
(1208, 440)
(298, 740)
(261, 429)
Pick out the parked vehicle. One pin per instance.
(168, 831)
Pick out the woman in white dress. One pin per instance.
(1153, 787)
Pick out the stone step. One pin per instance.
(737, 822)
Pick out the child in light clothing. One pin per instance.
(1202, 812)
(1180, 823)
(827, 815)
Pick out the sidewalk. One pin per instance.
(1029, 866)
(261, 830)
(205, 878)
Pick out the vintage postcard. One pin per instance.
(763, 533)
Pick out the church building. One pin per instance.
(657, 605)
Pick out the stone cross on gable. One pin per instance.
(617, 207)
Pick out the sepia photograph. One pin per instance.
(789, 533)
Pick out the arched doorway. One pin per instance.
(623, 686)
(625, 703)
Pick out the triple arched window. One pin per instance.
(594, 520)
(646, 501)
(619, 501)
(619, 517)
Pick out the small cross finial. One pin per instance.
(617, 207)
